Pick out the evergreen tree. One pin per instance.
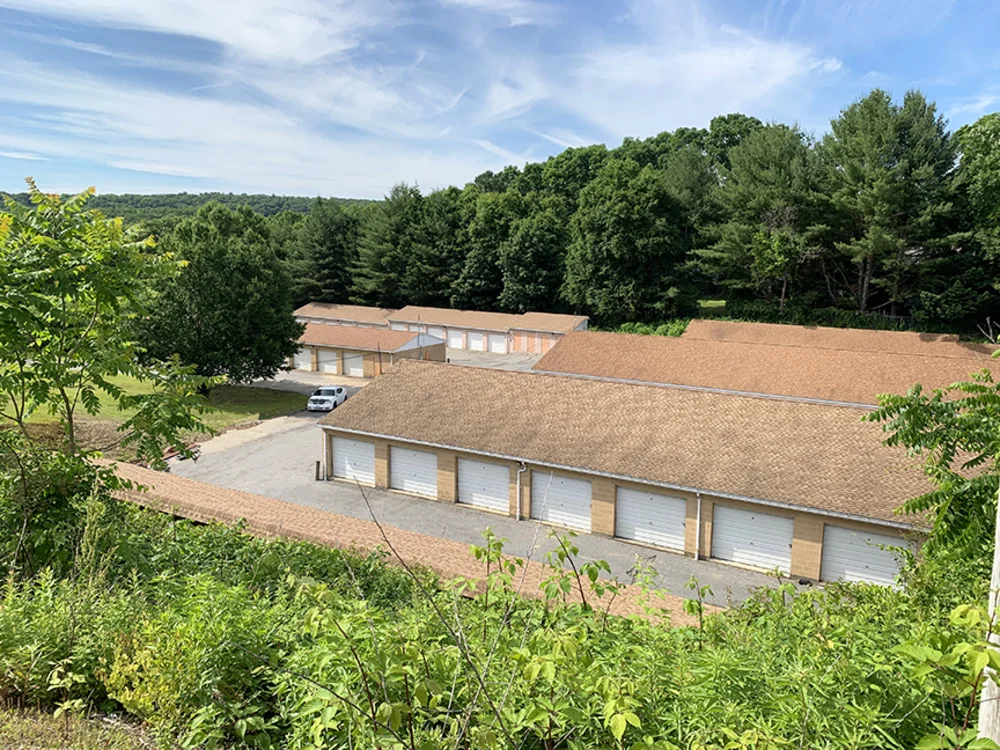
(890, 168)
(324, 251)
(770, 196)
(439, 254)
(390, 237)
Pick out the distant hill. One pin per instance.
(136, 207)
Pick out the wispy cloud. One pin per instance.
(24, 155)
(346, 97)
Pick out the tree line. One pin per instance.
(890, 216)
(135, 207)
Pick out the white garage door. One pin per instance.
(354, 459)
(498, 343)
(413, 471)
(477, 341)
(455, 340)
(484, 484)
(561, 500)
(852, 555)
(650, 518)
(762, 540)
(437, 333)
(303, 359)
(398, 326)
(354, 365)
(328, 361)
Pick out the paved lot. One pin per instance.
(306, 381)
(517, 361)
(277, 459)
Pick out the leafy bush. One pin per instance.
(674, 327)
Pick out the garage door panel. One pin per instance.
(413, 471)
(561, 500)
(852, 555)
(354, 459)
(354, 365)
(497, 343)
(455, 340)
(484, 484)
(763, 540)
(477, 341)
(436, 332)
(303, 359)
(650, 518)
(328, 361)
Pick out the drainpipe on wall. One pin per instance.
(697, 533)
(519, 473)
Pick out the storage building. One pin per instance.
(804, 488)
(361, 352)
(498, 333)
(834, 375)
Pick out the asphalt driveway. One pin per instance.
(277, 458)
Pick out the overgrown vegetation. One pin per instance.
(216, 638)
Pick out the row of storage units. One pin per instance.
(329, 361)
(741, 534)
(460, 338)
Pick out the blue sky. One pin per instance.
(328, 97)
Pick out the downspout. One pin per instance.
(697, 532)
(519, 473)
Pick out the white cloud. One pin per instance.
(229, 145)
(24, 155)
(295, 31)
(341, 97)
(683, 68)
(515, 12)
(976, 106)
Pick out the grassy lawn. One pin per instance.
(30, 730)
(234, 404)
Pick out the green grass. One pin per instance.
(32, 730)
(233, 405)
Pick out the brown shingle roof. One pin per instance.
(853, 339)
(797, 372)
(489, 321)
(357, 313)
(807, 455)
(351, 337)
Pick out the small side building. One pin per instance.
(361, 352)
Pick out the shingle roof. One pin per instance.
(853, 339)
(352, 337)
(801, 454)
(490, 321)
(358, 313)
(855, 377)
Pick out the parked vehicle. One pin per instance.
(327, 398)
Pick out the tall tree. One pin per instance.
(390, 236)
(890, 168)
(532, 260)
(324, 251)
(439, 254)
(726, 132)
(769, 193)
(625, 260)
(229, 312)
(480, 283)
(980, 145)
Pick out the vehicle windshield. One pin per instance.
(325, 392)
